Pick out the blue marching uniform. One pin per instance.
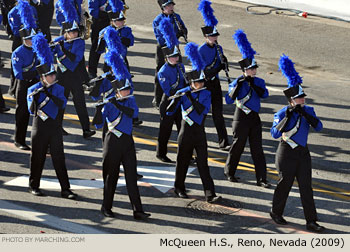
(70, 73)
(171, 80)
(192, 137)
(214, 65)
(158, 92)
(119, 148)
(293, 158)
(15, 24)
(100, 20)
(127, 40)
(246, 95)
(47, 108)
(24, 63)
(59, 13)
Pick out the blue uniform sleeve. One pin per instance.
(231, 86)
(275, 133)
(78, 49)
(207, 102)
(94, 8)
(58, 91)
(183, 90)
(164, 82)
(157, 33)
(17, 65)
(59, 15)
(14, 21)
(30, 98)
(261, 83)
(311, 111)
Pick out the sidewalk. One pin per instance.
(335, 8)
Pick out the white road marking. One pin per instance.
(46, 219)
(160, 177)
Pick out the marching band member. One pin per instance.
(171, 79)
(245, 92)
(167, 7)
(46, 102)
(117, 21)
(45, 10)
(71, 64)
(292, 124)
(215, 61)
(98, 10)
(59, 12)
(24, 61)
(15, 24)
(118, 145)
(195, 105)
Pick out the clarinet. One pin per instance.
(38, 90)
(183, 74)
(180, 27)
(182, 94)
(222, 60)
(108, 100)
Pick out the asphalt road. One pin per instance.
(320, 49)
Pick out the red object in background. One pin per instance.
(304, 14)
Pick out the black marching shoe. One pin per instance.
(232, 178)
(314, 227)
(68, 194)
(213, 199)
(164, 159)
(4, 109)
(136, 122)
(141, 215)
(263, 183)
(181, 194)
(139, 176)
(22, 146)
(88, 133)
(36, 191)
(278, 219)
(107, 212)
(64, 133)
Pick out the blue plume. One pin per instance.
(191, 51)
(167, 30)
(69, 12)
(116, 62)
(113, 41)
(207, 13)
(243, 44)
(42, 49)
(287, 67)
(116, 5)
(27, 15)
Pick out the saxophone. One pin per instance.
(87, 22)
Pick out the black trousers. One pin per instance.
(44, 134)
(216, 108)
(16, 42)
(193, 138)
(118, 151)
(22, 113)
(244, 127)
(160, 61)
(72, 83)
(2, 101)
(166, 126)
(94, 57)
(294, 163)
(45, 14)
